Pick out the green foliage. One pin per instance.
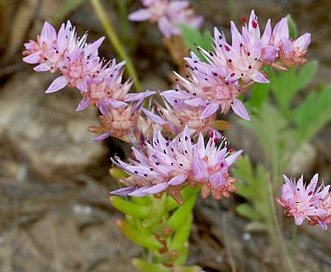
(274, 133)
(311, 116)
(182, 214)
(143, 265)
(281, 128)
(259, 94)
(194, 38)
(129, 208)
(160, 225)
(143, 239)
(286, 84)
(292, 27)
(252, 185)
(299, 123)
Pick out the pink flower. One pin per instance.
(169, 165)
(43, 51)
(167, 14)
(176, 114)
(64, 51)
(290, 51)
(206, 86)
(303, 201)
(159, 164)
(243, 58)
(105, 87)
(325, 219)
(119, 118)
(211, 168)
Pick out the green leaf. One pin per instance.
(259, 95)
(286, 84)
(182, 214)
(142, 201)
(256, 226)
(193, 38)
(145, 266)
(130, 208)
(186, 193)
(146, 240)
(117, 173)
(194, 268)
(181, 235)
(273, 131)
(313, 114)
(292, 27)
(247, 210)
(157, 211)
(253, 186)
(183, 254)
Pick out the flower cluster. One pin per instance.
(229, 69)
(99, 82)
(306, 201)
(169, 165)
(168, 15)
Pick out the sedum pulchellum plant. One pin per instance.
(177, 148)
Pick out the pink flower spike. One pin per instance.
(280, 31)
(239, 109)
(140, 15)
(58, 84)
(210, 110)
(233, 157)
(92, 49)
(123, 191)
(43, 67)
(156, 188)
(155, 118)
(303, 42)
(102, 137)
(211, 170)
(168, 15)
(259, 77)
(177, 180)
(33, 59)
(83, 104)
(48, 34)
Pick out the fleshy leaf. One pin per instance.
(129, 208)
(143, 239)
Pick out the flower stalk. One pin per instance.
(108, 27)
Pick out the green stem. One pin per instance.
(115, 41)
(294, 241)
(276, 233)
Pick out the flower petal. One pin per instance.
(58, 84)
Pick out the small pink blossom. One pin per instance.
(289, 51)
(119, 118)
(168, 15)
(64, 51)
(211, 168)
(159, 164)
(168, 165)
(304, 201)
(176, 114)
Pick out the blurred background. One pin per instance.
(54, 181)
